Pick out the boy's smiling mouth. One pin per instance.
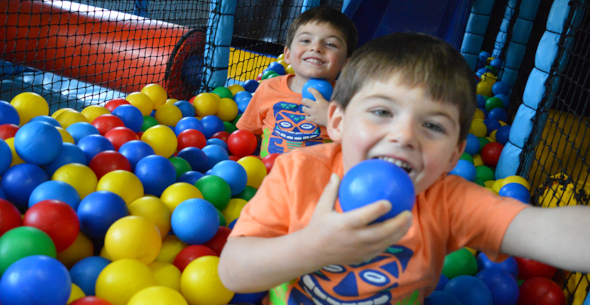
(401, 163)
(313, 60)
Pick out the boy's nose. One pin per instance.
(404, 135)
(316, 46)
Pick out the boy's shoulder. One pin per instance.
(278, 83)
(328, 155)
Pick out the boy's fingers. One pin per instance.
(318, 96)
(363, 216)
(329, 195)
(307, 102)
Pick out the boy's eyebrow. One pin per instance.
(331, 36)
(393, 100)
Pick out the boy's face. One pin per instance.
(317, 51)
(399, 124)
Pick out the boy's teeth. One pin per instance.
(313, 60)
(399, 163)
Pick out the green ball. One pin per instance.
(466, 156)
(479, 181)
(460, 262)
(223, 92)
(214, 190)
(229, 127)
(485, 173)
(482, 142)
(235, 121)
(247, 193)
(180, 165)
(492, 69)
(493, 103)
(222, 221)
(21, 242)
(268, 74)
(148, 121)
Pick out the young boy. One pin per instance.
(319, 43)
(409, 99)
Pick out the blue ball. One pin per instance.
(500, 87)
(496, 63)
(373, 180)
(187, 109)
(464, 169)
(484, 55)
(215, 154)
(19, 181)
(243, 105)
(509, 265)
(232, 224)
(502, 285)
(441, 298)
(2, 195)
(481, 101)
(211, 125)
(57, 190)
(503, 134)
(8, 114)
(241, 95)
(472, 146)
(218, 142)
(93, 144)
(277, 67)
(321, 85)
(469, 290)
(516, 191)
(156, 173)
(98, 211)
(131, 116)
(251, 85)
(492, 124)
(442, 282)
(36, 279)
(38, 143)
(233, 173)
(136, 150)
(46, 119)
(504, 98)
(499, 114)
(70, 153)
(79, 130)
(85, 272)
(188, 123)
(190, 177)
(196, 158)
(5, 156)
(195, 221)
(253, 298)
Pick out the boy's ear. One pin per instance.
(456, 155)
(287, 55)
(335, 121)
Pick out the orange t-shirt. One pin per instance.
(275, 113)
(451, 214)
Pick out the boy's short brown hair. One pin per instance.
(420, 60)
(331, 17)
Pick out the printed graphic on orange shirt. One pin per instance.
(291, 129)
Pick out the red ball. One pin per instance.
(490, 153)
(57, 219)
(9, 216)
(107, 161)
(269, 161)
(242, 143)
(234, 158)
(259, 77)
(8, 131)
(540, 291)
(90, 300)
(107, 122)
(189, 254)
(528, 268)
(192, 99)
(191, 138)
(222, 135)
(120, 135)
(218, 241)
(114, 103)
(139, 134)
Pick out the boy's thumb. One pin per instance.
(328, 198)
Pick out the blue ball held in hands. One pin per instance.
(373, 180)
(321, 85)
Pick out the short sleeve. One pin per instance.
(252, 118)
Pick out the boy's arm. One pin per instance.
(317, 111)
(555, 236)
(252, 264)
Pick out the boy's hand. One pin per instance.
(317, 112)
(350, 238)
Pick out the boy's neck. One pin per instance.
(296, 83)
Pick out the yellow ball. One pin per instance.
(133, 237)
(255, 170)
(235, 88)
(478, 128)
(82, 247)
(477, 160)
(206, 104)
(79, 176)
(479, 114)
(233, 209)
(105, 254)
(281, 57)
(168, 115)
(154, 210)
(162, 139)
(76, 293)
(290, 70)
(142, 101)
(502, 123)
(283, 63)
(15, 157)
(171, 246)
(516, 179)
(156, 93)
(157, 295)
(493, 135)
(122, 183)
(29, 105)
(166, 275)
(93, 111)
(491, 139)
(497, 185)
(179, 192)
(489, 184)
(484, 88)
(473, 251)
(200, 283)
(122, 279)
(228, 109)
(62, 110)
(68, 118)
(66, 137)
(489, 77)
(170, 101)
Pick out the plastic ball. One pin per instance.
(65, 135)
(114, 103)
(493, 103)
(106, 122)
(5, 156)
(242, 143)
(133, 237)
(242, 95)
(200, 283)
(247, 193)
(218, 241)
(233, 173)
(15, 159)
(81, 248)
(56, 190)
(68, 118)
(178, 193)
(195, 221)
(516, 191)
(81, 129)
(509, 265)
(248, 298)
(266, 74)
(211, 125)
(168, 115)
(478, 128)
(251, 85)
(157, 295)
(243, 105)
(469, 290)
(235, 88)
(154, 210)
(269, 161)
(122, 279)
(277, 67)
(134, 151)
(36, 279)
(29, 105)
(215, 154)
(504, 98)
(188, 123)
(442, 282)
(460, 262)
(490, 154)
(191, 138)
(122, 183)
(228, 109)
(156, 173)
(229, 126)
(498, 114)
(46, 119)
(91, 112)
(156, 93)
(8, 114)
(321, 85)
(502, 285)
(223, 92)
(80, 176)
(373, 180)
(131, 116)
(218, 142)
(186, 108)
(503, 134)
(190, 177)
(19, 181)
(21, 242)
(55, 218)
(142, 101)
(529, 268)
(196, 158)
(484, 88)
(215, 190)
(76, 293)
(484, 173)
(206, 104)
(148, 122)
(500, 87)
(162, 139)
(233, 209)
(90, 300)
(93, 144)
(221, 135)
(85, 272)
(491, 124)
(8, 131)
(181, 166)
(98, 211)
(108, 161)
(190, 253)
(472, 145)
(10, 217)
(255, 170)
(540, 290)
(38, 143)
(465, 169)
(171, 246)
(516, 179)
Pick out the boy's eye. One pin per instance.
(304, 40)
(332, 45)
(381, 112)
(435, 127)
